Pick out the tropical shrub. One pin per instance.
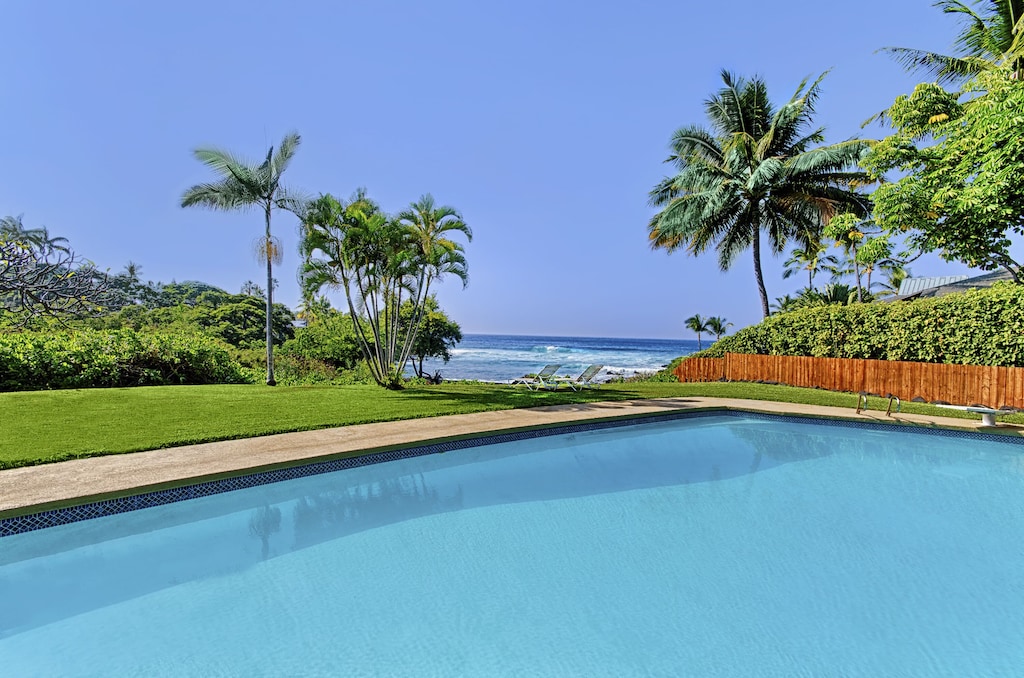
(437, 335)
(330, 339)
(978, 327)
(89, 358)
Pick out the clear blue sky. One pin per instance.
(545, 123)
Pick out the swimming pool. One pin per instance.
(716, 546)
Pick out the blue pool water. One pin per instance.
(715, 546)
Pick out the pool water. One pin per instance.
(714, 546)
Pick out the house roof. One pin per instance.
(949, 285)
(912, 285)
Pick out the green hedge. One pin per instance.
(978, 327)
(96, 358)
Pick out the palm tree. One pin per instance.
(718, 326)
(895, 275)
(698, 325)
(133, 272)
(244, 185)
(12, 228)
(313, 308)
(431, 226)
(251, 289)
(788, 303)
(757, 169)
(831, 294)
(356, 247)
(811, 258)
(991, 33)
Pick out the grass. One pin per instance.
(46, 426)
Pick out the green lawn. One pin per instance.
(43, 426)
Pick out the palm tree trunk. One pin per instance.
(856, 271)
(270, 306)
(758, 275)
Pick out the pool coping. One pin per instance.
(34, 497)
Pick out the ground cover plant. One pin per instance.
(91, 422)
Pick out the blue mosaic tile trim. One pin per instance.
(72, 514)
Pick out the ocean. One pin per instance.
(500, 357)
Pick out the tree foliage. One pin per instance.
(329, 339)
(193, 306)
(759, 169)
(962, 157)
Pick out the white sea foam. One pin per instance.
(503, 358)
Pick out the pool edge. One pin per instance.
(30, 517)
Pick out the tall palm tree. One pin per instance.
(432, 226)
(718, 326)
(245, 185)
(991, 33)
(699, 325)
(757, 169)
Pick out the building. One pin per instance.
(924, 288)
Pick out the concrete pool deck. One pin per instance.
(32, 489)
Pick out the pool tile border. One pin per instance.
(107, 507)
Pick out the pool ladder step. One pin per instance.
(862, 403)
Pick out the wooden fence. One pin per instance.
(956, 384)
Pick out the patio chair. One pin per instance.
(585, 380)
(540, 380)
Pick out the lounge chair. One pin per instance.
(541, 379)
(585, 380)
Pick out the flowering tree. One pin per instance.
(961, 155)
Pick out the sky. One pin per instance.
(544, 123)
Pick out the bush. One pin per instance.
(330, 340)
(978, 327)
(90, 358)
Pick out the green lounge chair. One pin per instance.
(539, 381)
(585, 380)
